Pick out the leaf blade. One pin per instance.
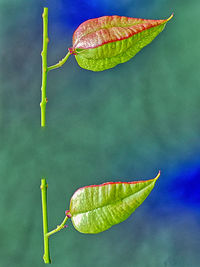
(96, 208)
(102, 43)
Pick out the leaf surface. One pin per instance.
(102, 43)
(96, 208)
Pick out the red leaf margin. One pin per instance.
(87, 30)
(133, 182)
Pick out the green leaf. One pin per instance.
(102, 43)
(96, 208)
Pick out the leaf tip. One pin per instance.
(158, 175)
(170, 17)
(156, 178)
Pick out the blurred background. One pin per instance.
(122, 124)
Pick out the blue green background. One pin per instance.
(122, 124)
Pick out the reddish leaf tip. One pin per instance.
(170, 16)
(158, 175)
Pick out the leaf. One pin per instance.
(96, 208)
(102, 43)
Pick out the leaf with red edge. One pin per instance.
(102, 43)
(96, 208)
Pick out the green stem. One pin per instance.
(59, 227)
(44, 66)
(43, 188)
(60, 63)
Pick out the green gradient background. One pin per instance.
(121, 124)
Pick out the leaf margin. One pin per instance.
(86, 57)
(85, 228)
